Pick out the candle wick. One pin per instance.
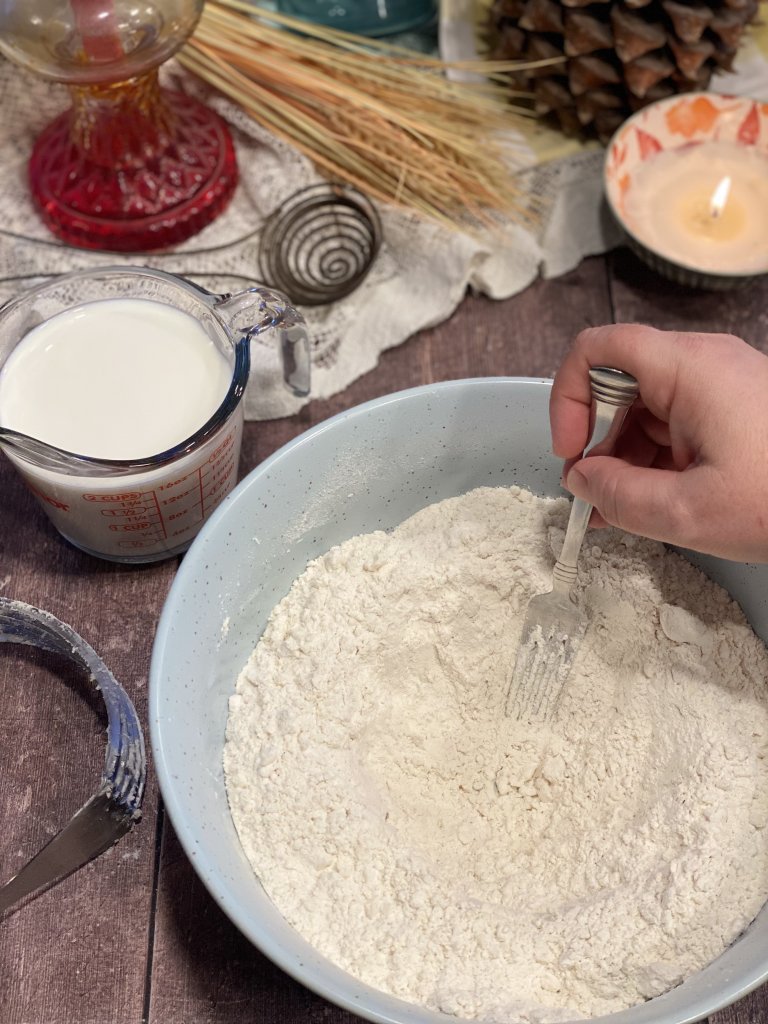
(719, 197)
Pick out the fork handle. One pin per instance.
(613, 392)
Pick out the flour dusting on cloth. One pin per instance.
(461, 860)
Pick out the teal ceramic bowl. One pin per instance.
(366, 469)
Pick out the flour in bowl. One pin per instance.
(477, 865)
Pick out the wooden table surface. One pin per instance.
(134, 937)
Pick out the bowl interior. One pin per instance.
(366, 469)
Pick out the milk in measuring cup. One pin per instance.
(123, 379)
(116, 379)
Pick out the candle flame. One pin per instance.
(720, 197)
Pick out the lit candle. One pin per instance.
(703, 205)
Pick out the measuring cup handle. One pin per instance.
(257, 310)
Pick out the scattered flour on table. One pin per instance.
(467, 862)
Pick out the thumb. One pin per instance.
(655, 503)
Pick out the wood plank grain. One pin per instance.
(206, 972)
(78, 952)
(753, 1009)
(641, 296)
(203, 970)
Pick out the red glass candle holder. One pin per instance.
(131, 166)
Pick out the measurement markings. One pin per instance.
(136, 545)
(183, 529)
(137, 511)
(202, 499)
(160, 514)
(224, 468)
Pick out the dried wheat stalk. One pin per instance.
(375, 115)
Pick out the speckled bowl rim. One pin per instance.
(724, 985)
(658, 260)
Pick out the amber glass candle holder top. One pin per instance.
(131, 166)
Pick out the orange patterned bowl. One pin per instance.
(687, 179)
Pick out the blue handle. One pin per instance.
(125, 770)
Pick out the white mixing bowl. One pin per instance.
(365, 469)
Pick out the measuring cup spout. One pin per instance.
(41, 452)
(257, 310)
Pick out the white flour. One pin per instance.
(464, 861)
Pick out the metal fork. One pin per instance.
(554, 625)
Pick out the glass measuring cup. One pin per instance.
(149, 508)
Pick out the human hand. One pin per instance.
(691, 464)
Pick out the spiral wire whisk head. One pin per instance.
(320, 243)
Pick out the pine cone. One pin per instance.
(608, 58)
